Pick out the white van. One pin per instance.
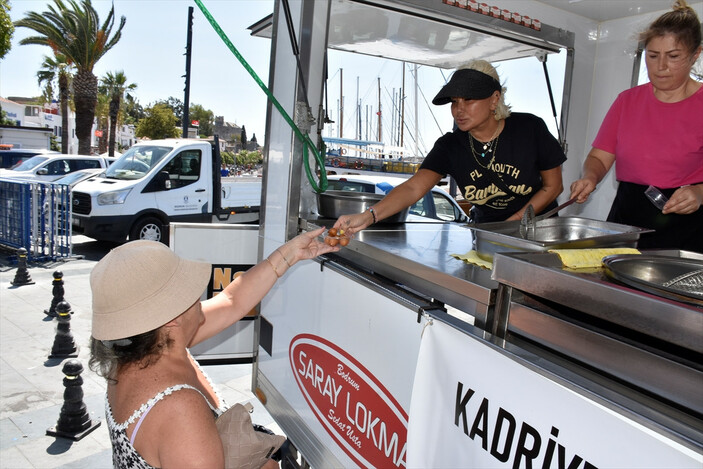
(48, 167)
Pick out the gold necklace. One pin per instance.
(493, 152)
(487, 146)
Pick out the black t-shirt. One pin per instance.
(523, 149)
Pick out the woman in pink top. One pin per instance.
(655, 132)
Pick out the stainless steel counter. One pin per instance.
(649, 342)
(417, 254)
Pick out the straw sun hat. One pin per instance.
(141, 286)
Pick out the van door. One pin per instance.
(189, 196)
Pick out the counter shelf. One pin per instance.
(647, 347)
(417, 254)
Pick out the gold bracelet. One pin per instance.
(284, 258)
(273, 267)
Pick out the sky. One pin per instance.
(151, 54)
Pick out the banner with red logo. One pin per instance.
(474, 405)
(352, 405)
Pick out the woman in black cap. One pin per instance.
(502, 162)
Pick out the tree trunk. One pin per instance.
(85, 88)
(114, 112)
(63, 99)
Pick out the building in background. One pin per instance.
(27, 114)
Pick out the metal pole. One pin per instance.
(186, 98)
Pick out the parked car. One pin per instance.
(71, 179)
(50, 167)
(437, 203)
(16, 156)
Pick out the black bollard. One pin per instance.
(22, 275)
(57, 291)
(64, 345)
(74, 421)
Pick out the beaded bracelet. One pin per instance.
(273, 267)
(373, 214)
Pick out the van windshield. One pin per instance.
(31, 163)
(137, 162)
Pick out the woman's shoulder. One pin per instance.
(524, 121)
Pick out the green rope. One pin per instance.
(305, 139)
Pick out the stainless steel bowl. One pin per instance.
(553, 233)
(333, 204)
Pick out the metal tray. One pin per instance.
(553, 233)
(675, 278)
(333, 204)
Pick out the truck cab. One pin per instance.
(157, 182)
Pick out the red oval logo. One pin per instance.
(350, 403)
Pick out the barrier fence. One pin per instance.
(36, 216)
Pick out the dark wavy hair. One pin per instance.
(108, 356)
(682, 22)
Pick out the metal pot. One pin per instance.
(333, 204)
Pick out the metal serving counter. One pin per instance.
(417, 254)
(650, 345)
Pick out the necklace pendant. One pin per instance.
(485, 146)
(483, 155)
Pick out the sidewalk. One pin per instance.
(31, 384)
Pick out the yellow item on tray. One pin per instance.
(585, 258)
(472, 258)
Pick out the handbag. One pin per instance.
(245, 447)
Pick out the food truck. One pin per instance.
(395, 353)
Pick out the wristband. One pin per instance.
(373, 214)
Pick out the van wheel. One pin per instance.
(149, 228)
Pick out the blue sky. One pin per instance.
(151, 54)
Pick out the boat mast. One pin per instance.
(341, 105)
(402, 107)
(416, 111)
(379, 110)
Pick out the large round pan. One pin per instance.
(675, 278)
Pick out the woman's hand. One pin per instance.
(596, 166)
(305, 246)
(581, 189)
(685, 200)
(354, 223)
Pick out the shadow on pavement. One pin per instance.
(82, 248)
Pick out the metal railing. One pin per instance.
(36, 216)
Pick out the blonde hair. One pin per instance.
(502, 109)
(682, 22)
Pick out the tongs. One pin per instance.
(528, 223)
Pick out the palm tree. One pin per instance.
(114, 84)
(58, 69)
(73, 29)
(102, 115)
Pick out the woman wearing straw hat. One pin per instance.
(146, 313)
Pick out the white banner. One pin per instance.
(473, 406)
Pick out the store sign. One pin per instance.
(195, 123)
(356, 410)
(98, 133)
(475, 406)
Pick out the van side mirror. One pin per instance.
(160, 182)
(42, 172)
